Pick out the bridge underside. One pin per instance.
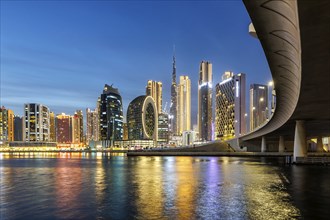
(295, 38)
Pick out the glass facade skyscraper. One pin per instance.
(18, 128)
(163, 134)
(204, 118)
(110, 116)
(258, 105)
(230, 116)
(173, 127)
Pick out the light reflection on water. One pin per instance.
(108, 186)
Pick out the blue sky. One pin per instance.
(61, 53)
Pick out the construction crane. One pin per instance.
(165, 108)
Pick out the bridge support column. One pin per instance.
(299, 146)
(319, 144)
(281, 144)
(263, 144)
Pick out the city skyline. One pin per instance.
(71, 64)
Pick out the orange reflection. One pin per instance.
(148, 178)
(68, 185)
(186, 187)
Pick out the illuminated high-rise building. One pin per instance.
(204, 117)
(173, 107)
(6, 124)
(230, 116)
(78, 127)
(52, 129)
(36, 122)
(163, 132)
(10, 125)
(3, 124)
(155, 90)
(92, 120)
(258, 105)
(125, 132)
(18, 128)
(76, 124)
(110, 116)
(64, 129)
(142, 119)
(184, 105)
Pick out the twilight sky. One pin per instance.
(61, 53)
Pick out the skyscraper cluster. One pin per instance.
(147, 123)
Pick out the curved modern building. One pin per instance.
(142, 119)
(110, 116)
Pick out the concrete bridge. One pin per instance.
(295, 37)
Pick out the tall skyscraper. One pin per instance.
(204, 118)
(142, 119)
(155, 90)
(18, 128)
(78, 127)
(64, 129)
(258, 105)
(184, 105)
(3, 124)
(163, 133)
(230, 116)
(125, 132)
(173, 107)
(76, 135)
(92, 119)
(52, 129)
(6, 124)
(36, 122)
(111, 116)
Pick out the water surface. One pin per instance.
(113, 186)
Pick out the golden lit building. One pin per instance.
(154, 89)
(92, 120)
(184, 105)
(125, 132)
(230, 116)
(52, 130)
(6, 124)
(77, 127)
(10, 125)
